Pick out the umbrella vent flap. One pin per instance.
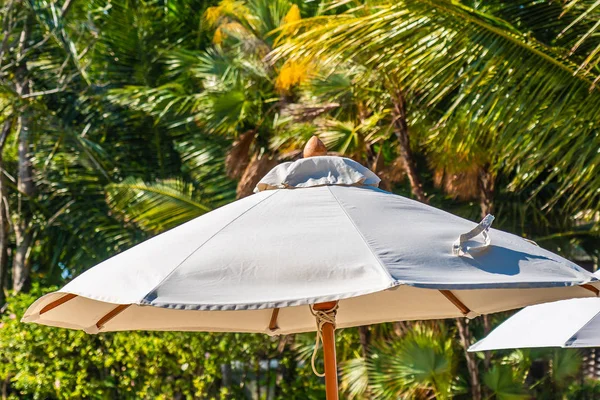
(318, 171)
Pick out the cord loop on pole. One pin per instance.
(322, 317)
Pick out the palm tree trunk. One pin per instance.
(258, 380)
(256, 169)
(401, 131)
(465, 339)
(4, 222)
(364, 337)
(5, 387)
(23, 233)
(486, 191)
(486, 202)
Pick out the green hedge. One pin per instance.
(45, 363)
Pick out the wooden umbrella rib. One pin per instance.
(591, 289)
(454, 300)
(273, 323)
(113, 313)
(57, 302)
(328, 305)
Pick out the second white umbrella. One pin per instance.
(567, 323)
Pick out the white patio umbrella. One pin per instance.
(317, 240)
(567, 323)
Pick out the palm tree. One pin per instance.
(474, 64)
(580, 35)
(229, 90)
(38, 58)
(58, 62)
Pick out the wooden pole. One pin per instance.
(314, 148)
(328, 335)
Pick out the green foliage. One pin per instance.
(155, 207)
(49, 363)
(587, 390)
(355, 377)
(420, 364)
(565, 365)
(504, 384)
(480, 76)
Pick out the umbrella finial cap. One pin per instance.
(314, 147)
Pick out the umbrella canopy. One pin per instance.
(317, 230)
(566, 323)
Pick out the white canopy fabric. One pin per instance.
(317, 230)
(566, 323)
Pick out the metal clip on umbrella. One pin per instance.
(317, 237)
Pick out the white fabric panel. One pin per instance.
(567, 323)
(415, 240)
(279, 259)
(129, 276)
(589, 334)
(274, 178)
(304, 246)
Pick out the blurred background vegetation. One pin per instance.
(120, 119)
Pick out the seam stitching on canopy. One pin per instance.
(202, 244)
(385, 270)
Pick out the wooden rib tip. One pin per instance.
(326, 306)
(273, 322)
(465, 311)
(591, 288)
(314, 147)
(111, 314)
(62, 300)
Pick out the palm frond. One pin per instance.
(417, 365)
(354, 377)
(472, 64)
(158, 102)
(565, 365)
(503, 383)
(582, 31)
(155, 206)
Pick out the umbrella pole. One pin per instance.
(328, 335)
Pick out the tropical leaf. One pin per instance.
(503, 383)
(565, 365)
(354, 376)
(486, 77)
(155, 206)
(417, 365)
(582, 31)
